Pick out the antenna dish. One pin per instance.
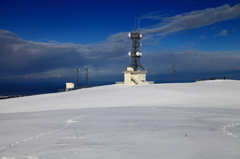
(129, 35)
(135, 54)
(138, 53)
(135, 35)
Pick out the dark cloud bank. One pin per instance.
(21, 59)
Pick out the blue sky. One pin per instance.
(45, 39)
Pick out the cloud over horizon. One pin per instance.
(26, 58)
(23, 58)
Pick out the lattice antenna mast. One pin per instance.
(135, 53)
(77, 70)
(173, 74)
(86, 76)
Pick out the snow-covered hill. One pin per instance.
(180, 120)
(218, 93)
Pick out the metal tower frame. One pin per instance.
(135, 53)
(86, 76)
(77, 70)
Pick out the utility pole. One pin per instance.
(86, 76)
(173, 74)
(77, 70)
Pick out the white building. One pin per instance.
(132, 77)
(69, 86)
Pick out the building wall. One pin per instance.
(132, 77)
(127, 79)
(70, 85)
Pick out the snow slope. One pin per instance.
(219, 93)
(174, 121)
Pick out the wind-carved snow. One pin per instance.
(192, 120)
(69, 121)
(227, 129)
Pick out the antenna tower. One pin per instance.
(77, 70)
(86, 76)
(135, 53)
(173, 74)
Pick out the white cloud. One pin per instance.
(202, 37)
(20, 57)
(190, 43)
(52, 41)
(153, 15)
(192, 61)
(25, 58)
(222, 33)
(213, 27)
(194, 19)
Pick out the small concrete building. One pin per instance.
(69, 86)
(132, 77)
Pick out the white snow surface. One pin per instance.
(180, 120)
(218, 93)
